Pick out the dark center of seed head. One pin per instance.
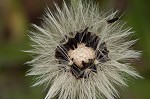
(80, 53)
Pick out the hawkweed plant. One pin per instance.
(81, 52)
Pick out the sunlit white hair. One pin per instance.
(74, 18)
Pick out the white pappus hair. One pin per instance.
(58, 77)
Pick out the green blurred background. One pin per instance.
(15, 19)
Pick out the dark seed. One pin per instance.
(112, 20)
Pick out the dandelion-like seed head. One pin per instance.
(82, 53)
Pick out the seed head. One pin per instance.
(82, 53)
